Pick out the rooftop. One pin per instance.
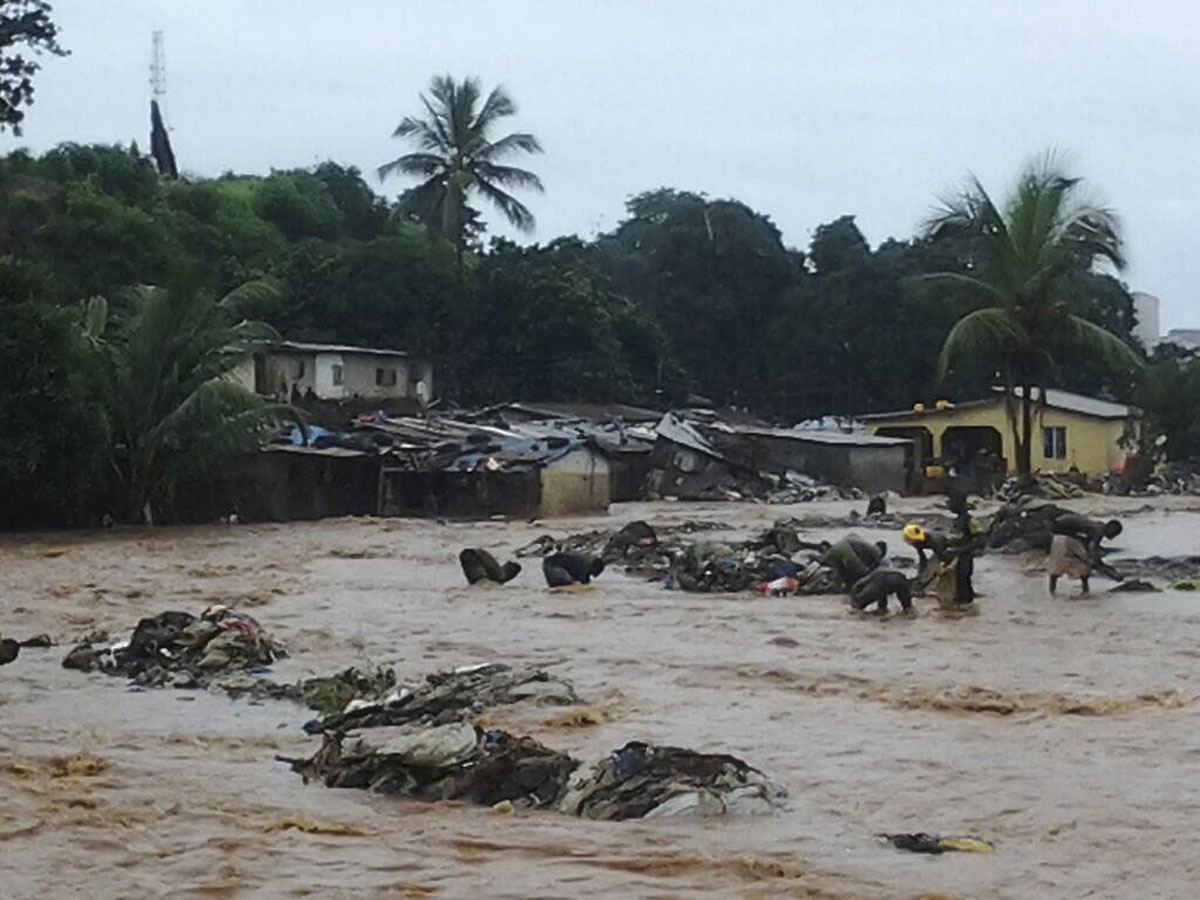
(1055, 399)
(305, 347)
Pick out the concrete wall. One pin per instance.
(315, 371)
(577, 483)
(1092, 443)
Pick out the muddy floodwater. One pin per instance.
(1064, 731)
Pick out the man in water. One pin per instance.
(1075, 549)
(563, 569)
(8, 651)
(851, 558)
(876, 586)
(479, 565)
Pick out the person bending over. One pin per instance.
(479, 565)
(562, 569)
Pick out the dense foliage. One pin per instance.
(687, 296)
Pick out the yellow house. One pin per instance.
(1070, 430)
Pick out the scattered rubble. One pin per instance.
(1051, 487)
(328, 695)
(453, 696)
(457, 761)
(1173, 570)
(461, 761)
(647, 781)
(179, 649)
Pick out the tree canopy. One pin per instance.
(687, 296)
(1034, 274)
(459, 156)
(26, 33)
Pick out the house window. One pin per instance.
(1054, 442)
(297, 368)
(385, 377)
(339, 374)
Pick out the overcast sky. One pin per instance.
(804, 110)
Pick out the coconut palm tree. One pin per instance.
(1030, 251)
(457, 156)
(162, 364)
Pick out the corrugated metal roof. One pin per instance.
(1055, 399)
(333, 452)
(1084, 405)
(590, 412)
(305, 347)
(855, 439)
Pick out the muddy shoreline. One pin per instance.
(1062, 730)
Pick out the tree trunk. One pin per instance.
(1025, 443)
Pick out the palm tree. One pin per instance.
(1045, 236)
(162, 363)
(457, 157)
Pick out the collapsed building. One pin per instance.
(526, 460)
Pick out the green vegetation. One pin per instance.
(25, 28)
(457, 157)
(110, 406)
(1032, 258)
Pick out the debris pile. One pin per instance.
(1046, 486)
(458, 761)
(643, 550)
(461, 761)
(647, 781)
(179, 649)
(1023, 524)
(328, 695)
(796, 487)
(423, 744)
(1179, 572)
(454, 696)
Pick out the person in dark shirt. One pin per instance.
(562, 569)
(851, 558)
(479, 565)
(876, 586)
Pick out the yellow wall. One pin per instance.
(1092, 443)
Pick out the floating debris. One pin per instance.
(448, 762)
(178, 649)
(647, 781)
(920, 842)
(455, 696)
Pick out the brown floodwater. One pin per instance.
(1065, 731)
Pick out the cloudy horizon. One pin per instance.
(802, 111)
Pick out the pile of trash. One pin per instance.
(328, 694)
(457, 761)
(644, 781)
(1179, 572)
(796, 487)
(1041, 484)
(1023, 524)
(462, 761)
(641, 549)
(453, 696)
(423, 743)
(179, 649)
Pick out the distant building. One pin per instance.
(1145, 310)
(1070, 430)
(1188, 338)
(337, 372)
